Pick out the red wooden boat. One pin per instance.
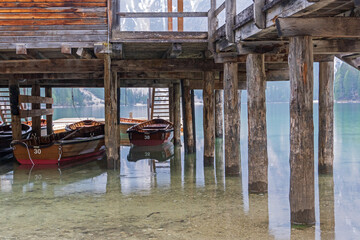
(151, 133)
(62, 147)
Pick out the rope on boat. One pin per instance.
(60, 153)
(27, 148)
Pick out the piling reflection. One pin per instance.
(160, 153)
(219, 162)
(326, 205)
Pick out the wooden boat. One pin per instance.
(61, 148)
(151, 133)
(6, 137)
(125, 124)
(160, 153)
(81, 124)
(43, 125)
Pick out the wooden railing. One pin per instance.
(36, 100)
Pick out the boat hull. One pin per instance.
(150, 139)
(59, 153)
(6, 138)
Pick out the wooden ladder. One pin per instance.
(160, 103)
(5, 112)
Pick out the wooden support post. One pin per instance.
(187, 117)
(110, 88)
(230, 10)
(231, 119)
(257, 149)
(209, 118)
(49, 118)
(177, 114)
(36, 121)
(218, 113)
(326, 117)
(302, 194)
(15, 111)
(171, 104)
(118, 95)
(192, 94)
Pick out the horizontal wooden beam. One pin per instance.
(166, 65)
(159, 37)
(36, 112)
(334, 46)
(35, 99)
(161, 14)
(51, 66)
(334, 27)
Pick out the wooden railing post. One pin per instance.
(49, 118)
(212, 26)
(15, 111)
(36, 120)
(230, 8)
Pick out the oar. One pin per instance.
(71, 134)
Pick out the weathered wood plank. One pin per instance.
(209, 118)
(44, 4)
(326, 117)
(35, 113)
(51, 66)
(167, 65)
(319, 27)
(35, 99)
(231, 119)
(48, 22)
(48, 45)
(257, 147)
(56, 38)
(73, 9)
(302, 193)
(47, 15)
(53, 33)
(124, 36)
(53, 27)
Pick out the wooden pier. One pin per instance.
(81, 44)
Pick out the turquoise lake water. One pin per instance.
(179, 198)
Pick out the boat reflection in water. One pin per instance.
(61, 180)
(160, 153)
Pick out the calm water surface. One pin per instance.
(179, 198)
